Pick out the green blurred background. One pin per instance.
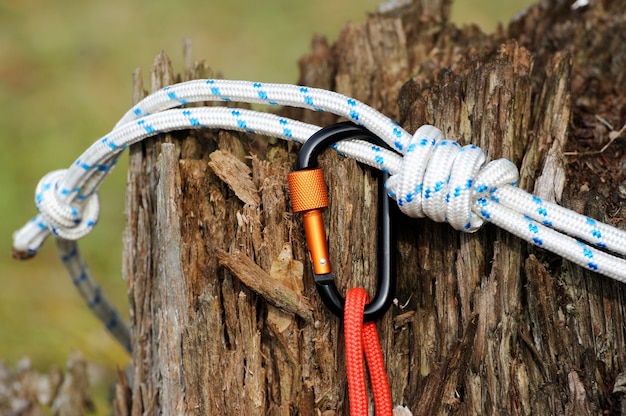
(65, 79)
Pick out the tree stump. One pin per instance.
(225, 317)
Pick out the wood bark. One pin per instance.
(225, 317)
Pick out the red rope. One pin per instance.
(361, 338)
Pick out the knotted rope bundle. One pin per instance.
(430, 176)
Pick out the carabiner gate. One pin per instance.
(309, 196)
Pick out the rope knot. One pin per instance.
(446, 182)
(60, 216)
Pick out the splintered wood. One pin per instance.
(236, 175)
(24, 391)
(274, 289)
(225, 316)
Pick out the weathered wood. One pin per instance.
(484, 323)
(276, 292)
(24, 391)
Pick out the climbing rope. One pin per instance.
(362, 338)
(430, 176)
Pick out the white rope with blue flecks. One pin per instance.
(430, 176)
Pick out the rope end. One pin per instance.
(28, 240)
(22, 254)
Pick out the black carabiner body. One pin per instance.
(314, 227)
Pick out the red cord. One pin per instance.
(361, 338)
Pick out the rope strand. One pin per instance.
(362, 338)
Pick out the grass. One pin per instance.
(65, 78)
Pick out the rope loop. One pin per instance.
(59, 215)
(441, 180)
(362, 338)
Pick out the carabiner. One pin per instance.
(309, 196)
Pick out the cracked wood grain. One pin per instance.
(261, 283)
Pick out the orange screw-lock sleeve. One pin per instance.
(308, 195)
(307, 189)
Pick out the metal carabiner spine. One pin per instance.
(309, 196)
